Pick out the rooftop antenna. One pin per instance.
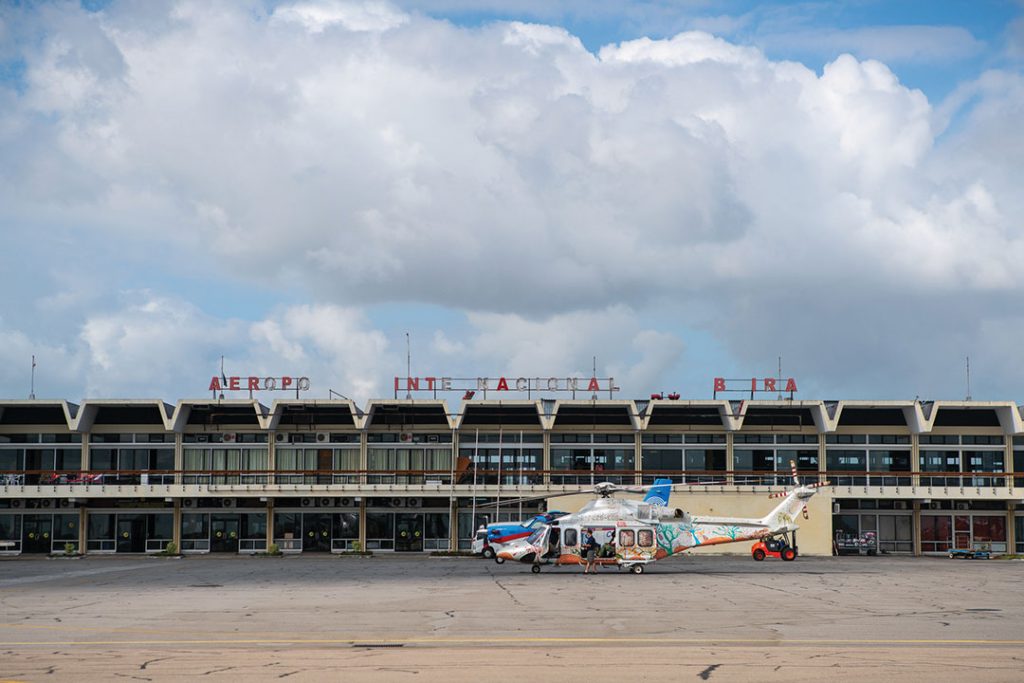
(223, 377)
(778, 397)
(408, 366)
(968, 398)
(32, 390)
(593, 397)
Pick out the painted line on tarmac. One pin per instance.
(517, 641)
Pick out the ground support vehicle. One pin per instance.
(773, 547)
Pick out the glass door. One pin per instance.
(37, 531)
(316, 532)
(131, 533)
(408, 532)
(962, 531)
(224, 533)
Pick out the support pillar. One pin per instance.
(1011, 528)
(176, 525)
(917, 528)
(362, 522)
(453, 525)
(270, 522)
(83, 530)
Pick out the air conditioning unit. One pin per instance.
(901, 505)
(308, 502)
(322, 437)
(935, 505)
(228, 502)
(230, 437)
(326, 502)
(963, 506)
(398, 502)
(281, 437)
(344, 502)
(17, 503)
(189, 503)
(65, 503)
(413, 502)
(405, 436)
(46, 503)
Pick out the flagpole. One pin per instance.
(521, 457)
(476, 450)
(497, 513)
(32, 390)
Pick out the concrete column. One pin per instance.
(179, 456)
(1009, 461)
(270, 522)
(915, 466)
(729, 459)
(1011, 528)
(453, 524)
(362, 522)
(176, 524)
(83, 529)
(547, 458)
(638, 462)
(364, 459)
(917, 528)
(85, 452)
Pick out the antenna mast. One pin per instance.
(408, 366)
(968, 379)
(32, 390)
(778, 396)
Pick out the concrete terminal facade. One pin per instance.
(129, 476)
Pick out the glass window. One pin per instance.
(10, 528)
(626, 537)
(287, 525)
(101, 526)
(570, 538)
(160, 526)
(645, 538)
(195, 526)
(380, 525)
(346, 525)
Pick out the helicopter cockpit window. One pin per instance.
(534, 538)
(569, 538)
(646, 538)
(626, 537)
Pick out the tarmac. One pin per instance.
(396, 618)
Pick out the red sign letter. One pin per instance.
(790, 384)
(286, 382)
(753, 384)
(769, 384)
(430, 383)
(719, 384)
(502, 385)
(254, 383)
(215, 384)
(234, 383)
(593, 386)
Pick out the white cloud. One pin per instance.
(357, 154)
(353, 16)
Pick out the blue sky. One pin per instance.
(683, 189)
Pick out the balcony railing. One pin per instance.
(465, 478)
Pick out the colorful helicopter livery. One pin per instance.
(643, 533)
(501, 534)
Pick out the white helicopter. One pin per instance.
(639, 533)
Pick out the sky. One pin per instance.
(675, 190)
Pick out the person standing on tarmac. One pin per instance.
(588, 546)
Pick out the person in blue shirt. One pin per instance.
(588, 548)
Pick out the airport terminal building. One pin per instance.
(412, 475)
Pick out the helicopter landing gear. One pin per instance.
(535, 569)
(637, 569)
(499, 560)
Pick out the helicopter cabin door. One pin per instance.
(571, 542)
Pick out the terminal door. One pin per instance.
(408, 533)
(36, 533)
(316, 532)
(224, 533)
(131, 533)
